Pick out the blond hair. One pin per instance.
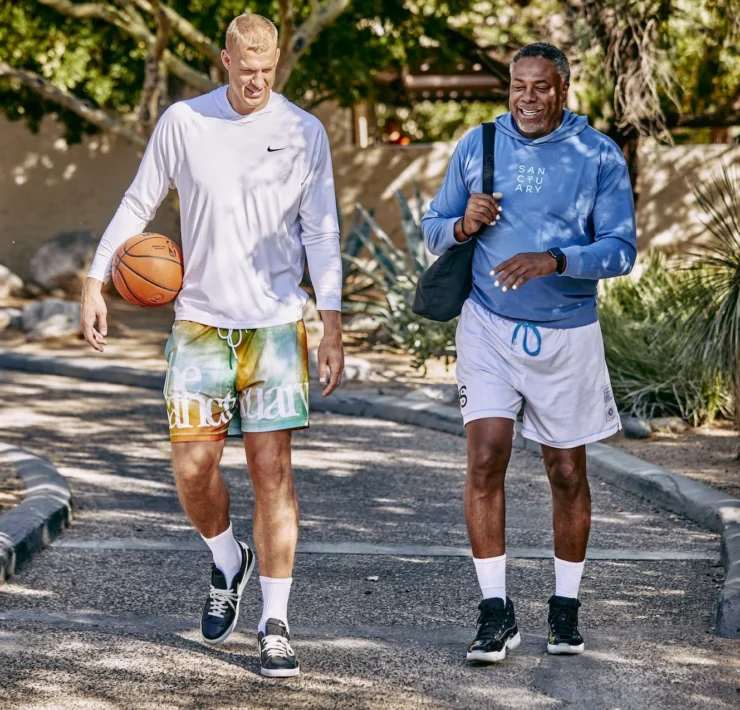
(251, 32)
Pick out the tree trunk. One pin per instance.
(736, 398)
(629, 143)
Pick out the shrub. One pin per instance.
(644, 323)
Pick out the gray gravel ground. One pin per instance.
(98, 629)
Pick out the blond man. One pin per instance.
(254, 178)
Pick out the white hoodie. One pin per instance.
(255, 192)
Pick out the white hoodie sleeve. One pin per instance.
(320, 227)
(139, 205)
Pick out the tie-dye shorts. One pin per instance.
(222, 381)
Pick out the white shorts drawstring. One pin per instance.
(229, 338)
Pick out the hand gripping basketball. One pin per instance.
(147, 270)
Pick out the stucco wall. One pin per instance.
(668, 215)
(47, 187)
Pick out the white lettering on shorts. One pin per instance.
(274, 403)
(186, 389)
(255, 403)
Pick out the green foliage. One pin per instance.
(382, 277)
(712, 294)
(654, 369)
(98, 62)
(696, 39)
(444, 121)
(95, 60)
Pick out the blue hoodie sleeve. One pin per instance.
(614, 248)
(448, 205)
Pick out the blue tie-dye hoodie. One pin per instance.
(568, 189)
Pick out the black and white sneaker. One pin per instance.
(221, 609)
(277, 659)
(564, 637)
(497, 631)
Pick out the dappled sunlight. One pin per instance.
(91, 673)
(113, 482)
(393, 509)
(643, 592)
(508, 697)
(616, 658)
(13, 589)
(414, 560)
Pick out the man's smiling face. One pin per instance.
(537, 96)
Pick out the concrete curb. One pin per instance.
(702, 504)
(45, 510)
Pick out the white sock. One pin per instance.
(275, 593)
(227, 553)
(492, 576)
(568, 578)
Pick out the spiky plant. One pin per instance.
(381, 280)
(650, 375)
(711, 298)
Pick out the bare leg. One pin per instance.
(489, 451)
(276, 505)
(202, 491)
(571, 501)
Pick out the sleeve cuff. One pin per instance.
(448, 234)
(328, 303)
(574, 258)
(103, 275)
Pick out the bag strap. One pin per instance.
(489, 148)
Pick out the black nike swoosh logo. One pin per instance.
(272, 150)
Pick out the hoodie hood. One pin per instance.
(227, 110)
(571, 125)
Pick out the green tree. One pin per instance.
(113, 65)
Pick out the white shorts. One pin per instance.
(558, 374)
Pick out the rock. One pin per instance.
(10, 318)
(358, 369)
(636, 428)
(310, 313)
(441, 394)
(10, 284)
(63, 261)
(355, 368)
(362, 323)
(53, 318)
(31, 290)
(672, 425)
(383, 335)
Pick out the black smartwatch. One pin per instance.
(558, 255)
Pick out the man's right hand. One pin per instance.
(92, 311)
(481, 210)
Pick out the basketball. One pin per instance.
(147, 270)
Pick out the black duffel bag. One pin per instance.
(445, 286)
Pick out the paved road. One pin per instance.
(107, 618)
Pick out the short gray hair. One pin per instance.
(543, 50)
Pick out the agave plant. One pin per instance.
(711, 298)
(381, 280)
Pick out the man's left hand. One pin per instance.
(331, 352)
(522, 267)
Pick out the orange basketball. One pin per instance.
(147, 270)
